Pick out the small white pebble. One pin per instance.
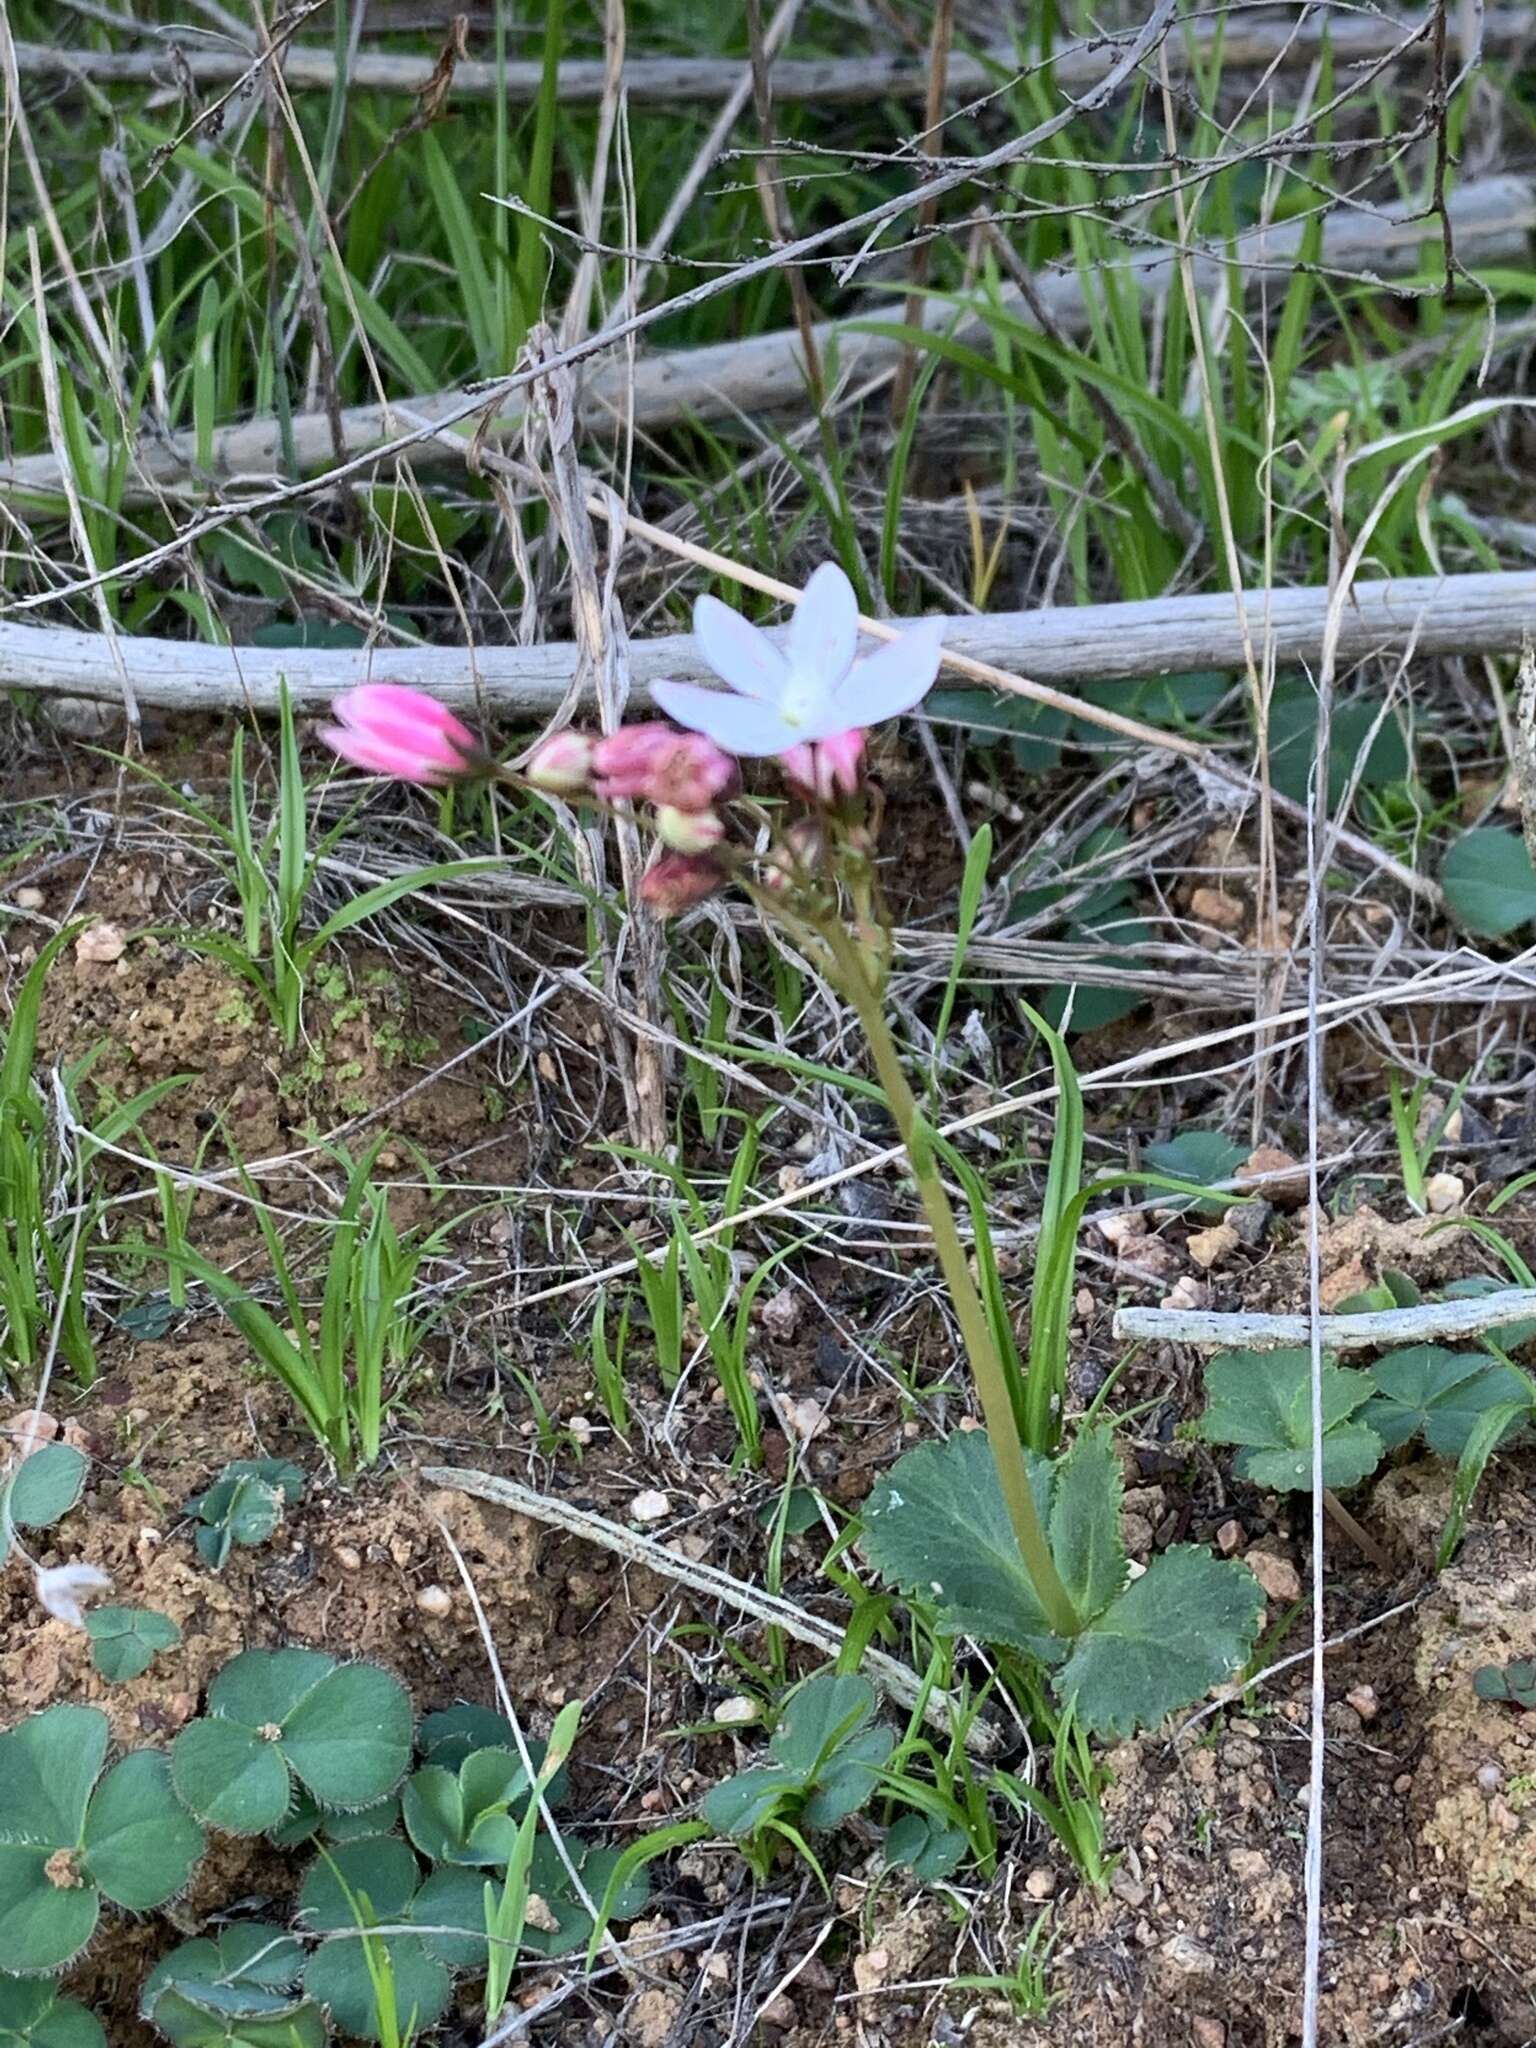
(1364, 1701)
(736, 1712)
(580, 1428)
(1445, 1193)
(29, 898)
(1490, 1778)
(436, 1601)
(649, 1507)
(349, 1559)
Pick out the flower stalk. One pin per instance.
(851, 973)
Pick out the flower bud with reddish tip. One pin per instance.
(679, 881)
(562, 766)
(688, 831)
(394, 730)
(691, 773)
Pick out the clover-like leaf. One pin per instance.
(470, 1815)
(359, 1885)
(343, 1730)
(32, 2015)
(69, 1835)
(1186, 1624)
(1262, 1400)
(740, 1804)
(450, 1907)
(1514, 1682)
(126, 1640)
(239, 1990)
(825, 1739)
(937, 1526)
(243, 1505)
(1204, 1157)
(305, 1820)
(1438, 1394)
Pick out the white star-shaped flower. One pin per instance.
(811, 689)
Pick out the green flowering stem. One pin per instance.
(851, 965)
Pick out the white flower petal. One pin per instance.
(824, 632)
(738, 652)
(62, 1587)
(890, 681)
(742, 725)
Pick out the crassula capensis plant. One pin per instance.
(992, 1537)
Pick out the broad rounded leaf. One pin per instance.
(45, 1486)
(43, 1926)
(450, 1911)
(262, 1687)
(850, 1780)
(230, 1777)
(929, 1848)
(1489, 882)
(32, 2015)
(1186, 1624)
(937, 1526)
(140, 1843)
(125, 1640)
(382, 1870)
(338, 1979)
(1263, 1401)
(432, 1807)
(820, 1715)
(550, 1881)
(448, 1737)
(48, 1764)
(349, 1739)
(305, 1820)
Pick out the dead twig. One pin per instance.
(1210, 1330)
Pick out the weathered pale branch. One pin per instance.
(1356, 38)
(1487, 613)
(1493, 220)
(1210, 1330)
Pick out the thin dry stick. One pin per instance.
(893, 1679)
(1210, 1330)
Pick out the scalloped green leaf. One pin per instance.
(450, 1910)
(384, 1869)
(262, 1687)
(1262, 1400)
(33, 2015)
(937, 1527)
(1188, 1623)
(248, 1969)
(140, 1844)
(739, 1804)
(1438, 1394)
(126, 1640)
(305, 1820)
(469, 1816)
(1084, 1527)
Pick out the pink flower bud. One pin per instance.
(691, 773)
(829, 768)
(682, 769)
(679, 880)
(563, 765)
(623, 763)
(397, 731)
(688, 831)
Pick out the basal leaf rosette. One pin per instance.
(342, 1731)
(72, 1834)
(937, 1527)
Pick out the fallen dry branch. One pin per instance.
(1487, 613)
(1492, 220)
(893, 1679)
(1355, 38)
(1210, 1330)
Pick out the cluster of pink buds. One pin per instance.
(679, 774)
